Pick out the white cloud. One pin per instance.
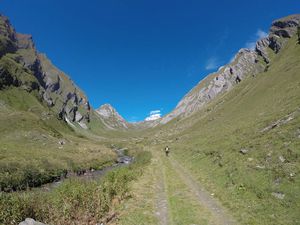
(258, 35)
(250, 45)
(212, 63)
(261, 34)
(153, 115)
(154, 112)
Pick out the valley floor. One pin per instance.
(168, 194)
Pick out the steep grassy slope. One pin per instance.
(245, 145)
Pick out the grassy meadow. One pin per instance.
(261, 185)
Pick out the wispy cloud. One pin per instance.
(212, 63)
(261, 34)
(258, 35)
(154, 115)
(250, 45)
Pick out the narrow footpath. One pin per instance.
(167, 194)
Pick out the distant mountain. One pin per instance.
(111, 118)
(245, 63)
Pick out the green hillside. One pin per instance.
(234, 158)
(245, 145)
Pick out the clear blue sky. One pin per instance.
(140, 55)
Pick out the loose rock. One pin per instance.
(282, 159)
(29, 221)
(244, 151)
(278, 195)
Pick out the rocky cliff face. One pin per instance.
(22, 65)
(245, 63)
(7, 37)
(111, 118)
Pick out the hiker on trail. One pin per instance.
(237, 79)
(167, 150)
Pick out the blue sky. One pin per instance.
(142, 56)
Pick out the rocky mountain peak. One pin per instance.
(111, 118)
(107, 111)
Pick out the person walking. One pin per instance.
(167, 150)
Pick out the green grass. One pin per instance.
(87, 202)
(30, 153)
(210, 142)
(184, 207)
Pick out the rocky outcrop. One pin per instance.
(280, 31)
(111, 118)
(11, 74)
(285, 27)
(246, 63)
(27, 68)
(7, 37)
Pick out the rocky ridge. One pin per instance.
(21, 65)
(245, 63)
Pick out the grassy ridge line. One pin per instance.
(87, 202)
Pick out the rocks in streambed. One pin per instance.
(124, 159)
(30, 221)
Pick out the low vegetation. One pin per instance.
(86, 202)
(244, 146)
(36, 148)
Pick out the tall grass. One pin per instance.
(85, 202)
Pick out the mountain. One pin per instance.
(21, 65)
(246, 63)
(234, 142)
(243, 145)
(36, 72)
(111, 118)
